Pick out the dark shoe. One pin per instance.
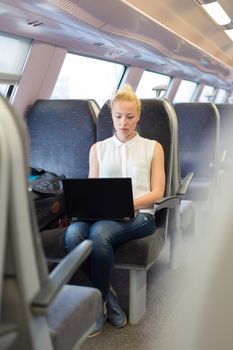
(116, 315)
(99, 324)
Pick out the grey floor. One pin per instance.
(153, 330)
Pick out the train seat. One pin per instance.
(38, 310)
(198, 125)
(158, 121)
(62, 132)
(226, 124)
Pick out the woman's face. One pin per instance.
(125, 118)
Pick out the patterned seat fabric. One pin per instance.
(61, 133)
(199, 145)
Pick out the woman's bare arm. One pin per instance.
(93, 162)
(157, 180)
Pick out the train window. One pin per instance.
(185, 91)
(220, 96)
(149, 82)
(15, 50)
(3, 89)
(230, 98)
(85, 77)
(207, 94)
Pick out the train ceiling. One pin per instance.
(173, 36)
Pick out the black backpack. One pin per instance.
(47, 193)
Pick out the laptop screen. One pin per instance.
(98, 198)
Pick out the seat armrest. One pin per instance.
(172, 201)
(8, 328)
(167, 203)
(185, 184)
(59, 276)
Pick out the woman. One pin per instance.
(125, 154)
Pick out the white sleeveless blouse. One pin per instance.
(130, 159)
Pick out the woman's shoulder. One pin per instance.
(154, 145)
(146, 140)
(101, 145)
(102, 142)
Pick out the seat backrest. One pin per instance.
(19, 259)
(198, 126)
(226, 127)
(28, 293)
(156, 123)
(61, 133)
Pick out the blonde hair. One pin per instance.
(126, 94)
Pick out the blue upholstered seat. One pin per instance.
(62, 132)
(198, 125)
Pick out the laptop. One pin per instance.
(94, 199)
